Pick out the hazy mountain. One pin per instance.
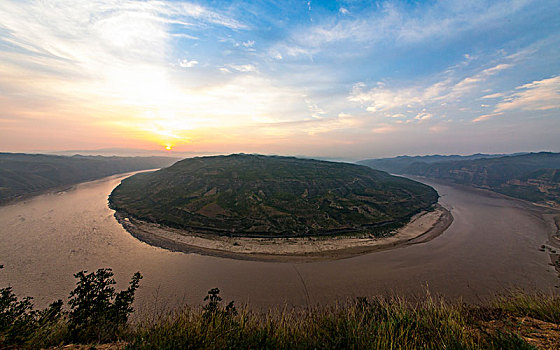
(22, 174)
(398, 165)
(129, 152)
(530, 176)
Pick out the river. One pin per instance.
(491, 246)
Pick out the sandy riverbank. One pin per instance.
(421, 228)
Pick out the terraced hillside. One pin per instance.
(531, 176)
(255, 195)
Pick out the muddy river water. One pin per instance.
(491, 246)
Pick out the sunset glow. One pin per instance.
(332, 79)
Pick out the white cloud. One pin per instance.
(313, 126)
(74, 38)
(243, 67)
(113, 62)
(496, 95)
(380, 98)
(470, 83)
(187, 64)
(538, 95)
(383, 98)
(184, 36)
(495, 69)
(189, 10)
(249, 43)
(316, 111)
(343, 10)
(423, 116)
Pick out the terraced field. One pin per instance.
(271, 196)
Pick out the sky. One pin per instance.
(331, 79)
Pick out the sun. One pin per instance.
(168, 147)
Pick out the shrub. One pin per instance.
(97, 311)
(16, 317)
(213, 307)
(98, 314)
(19, 322)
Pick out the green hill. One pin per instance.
(27, 174)
(255, 195)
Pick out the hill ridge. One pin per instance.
(258, 195)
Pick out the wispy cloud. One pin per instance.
(449, 90)
(184, 36)
(485, 117)
(495, 95)
(538, 95)
(380, 98)
(384, 128)
(391, 21)
(470, 83)
(243, 67)
(218, 72)
(63, 28)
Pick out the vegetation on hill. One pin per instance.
(22, 174)
(255, 195)
(542, 185)
(398, 165)
(531, 176)
(99, 315)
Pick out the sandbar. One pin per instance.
(422, 227)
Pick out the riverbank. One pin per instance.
(421, 228)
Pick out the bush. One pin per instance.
(98, 312)
(16, 317)
(214, 308)
(19, 323)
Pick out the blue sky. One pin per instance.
(341, 79)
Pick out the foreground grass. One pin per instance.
(377, 323)
(98, 317)
(517, 322)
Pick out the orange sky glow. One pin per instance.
(295, 80)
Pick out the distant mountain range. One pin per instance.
(529, 176)
(128, 152)
(27, 174)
